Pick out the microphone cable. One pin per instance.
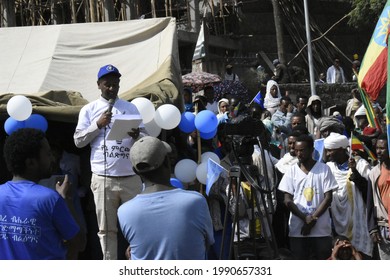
(105, 151)
(110, 106)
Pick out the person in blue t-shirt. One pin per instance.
(35, 221)
(163, 222)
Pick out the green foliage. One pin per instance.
(365, 13)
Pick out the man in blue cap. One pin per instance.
(113, 180)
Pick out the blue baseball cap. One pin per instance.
(108, 69)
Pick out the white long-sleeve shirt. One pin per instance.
(108, 157)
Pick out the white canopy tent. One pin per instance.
(38, 59)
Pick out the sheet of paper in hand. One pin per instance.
(122, 124)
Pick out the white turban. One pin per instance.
(360, 112)
(335, 141)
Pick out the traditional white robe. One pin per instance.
(348, 208)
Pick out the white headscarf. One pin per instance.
(219, 103)
(269, 100)
(335, 141)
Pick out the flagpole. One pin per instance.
(350, 148)
(252, 100)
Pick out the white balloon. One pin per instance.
(206, 155)
(145, 108)
(19, 107)
(201, 173)
(152, 128)
(185, 170)
(167, 116)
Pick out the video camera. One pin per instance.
(245, 125)
(246, 131)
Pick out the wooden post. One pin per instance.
(153, 4)
(92, 10)
(131, 7)
(109, 13)
(87, 17)
(32, 9)
(137, 9)
(40, 13)
(22, 19)
(279, 31)
(53, 12)
(199, 147)
(211, 4)
(8, 14)
(126, 10)
(73, 10)
(99, 12)
(189, 23)
(222, 16)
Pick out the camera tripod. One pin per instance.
(248, 211)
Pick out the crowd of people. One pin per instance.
(299, 184)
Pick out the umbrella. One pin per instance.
(198, 80)
(232, 88)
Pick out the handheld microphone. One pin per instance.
(110, 105)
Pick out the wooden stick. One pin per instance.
(199, 147)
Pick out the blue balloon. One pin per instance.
(206, 121)
(176, 183)
(11, 125)
(37, 121)
(209, 135)
(187, 122)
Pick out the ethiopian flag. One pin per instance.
(356, 144)
(373, 71)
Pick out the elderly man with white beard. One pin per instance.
(348, 206)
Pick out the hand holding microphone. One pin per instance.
(105, 118)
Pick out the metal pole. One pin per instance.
(309, 52)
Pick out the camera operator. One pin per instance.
(253, 216)
(244, 191)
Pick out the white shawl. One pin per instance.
(286, 162)
(348, 208)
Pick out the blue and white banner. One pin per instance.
(214, 170)
(258, 99)
(318, 149)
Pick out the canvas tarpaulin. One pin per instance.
(44, 61)
(61, 106)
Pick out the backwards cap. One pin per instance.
(148, 154)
